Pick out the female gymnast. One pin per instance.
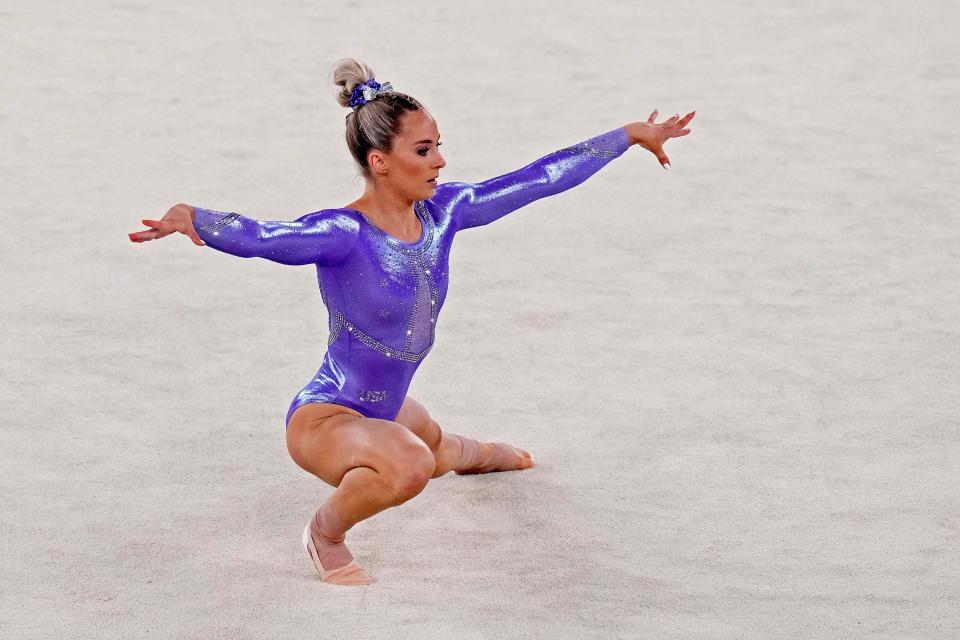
(382, 266)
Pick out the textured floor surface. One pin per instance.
(739, 378)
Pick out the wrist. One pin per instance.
(638, 132)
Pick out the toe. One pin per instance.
(350, 575)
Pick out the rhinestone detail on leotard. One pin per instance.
(376, 345)
(417, 258)
(213, 227)
(583, 148)
(428, 232)
(335, 330)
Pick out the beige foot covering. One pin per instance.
(323, 539)
(503, 458)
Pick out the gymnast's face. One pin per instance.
(413, 166)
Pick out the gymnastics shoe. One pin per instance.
(349, 574)
(500, 457)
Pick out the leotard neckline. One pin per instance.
(417, 207)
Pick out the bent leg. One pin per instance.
(374, 464)
(457, 453)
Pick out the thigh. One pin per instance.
(415, 417)
(328, 440)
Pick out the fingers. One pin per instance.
(674, 119)
(672, 127)
(163, 228)
(661, 157)
(679, 123)
(142, 236)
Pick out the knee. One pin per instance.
(411, 473)
(434, 436)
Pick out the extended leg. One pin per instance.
(457, 453)
(486, 457)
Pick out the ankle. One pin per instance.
(472, 453)
(329, 521)
(328, 531)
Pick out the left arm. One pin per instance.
(474, 205)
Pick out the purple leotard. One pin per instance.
(383, 295)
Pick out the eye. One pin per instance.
(424, 151)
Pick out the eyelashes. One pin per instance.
(423, 151)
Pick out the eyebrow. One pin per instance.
(421, 141)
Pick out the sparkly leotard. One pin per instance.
(383, 295)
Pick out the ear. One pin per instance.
(377, 161)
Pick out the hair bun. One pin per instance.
(347, 74)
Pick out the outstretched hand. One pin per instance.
(651, 135)
(179, 218)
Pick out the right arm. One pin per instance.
(324, 237)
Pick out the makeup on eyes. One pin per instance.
(421, 151)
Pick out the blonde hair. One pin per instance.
(373, 125)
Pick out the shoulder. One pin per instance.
(449, 194)
(449, 191)
(335, 232)
(342, 222)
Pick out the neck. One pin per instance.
(387, 204)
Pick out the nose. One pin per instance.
(442, 163)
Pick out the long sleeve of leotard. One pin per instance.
(324, 237)
(473, 205)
